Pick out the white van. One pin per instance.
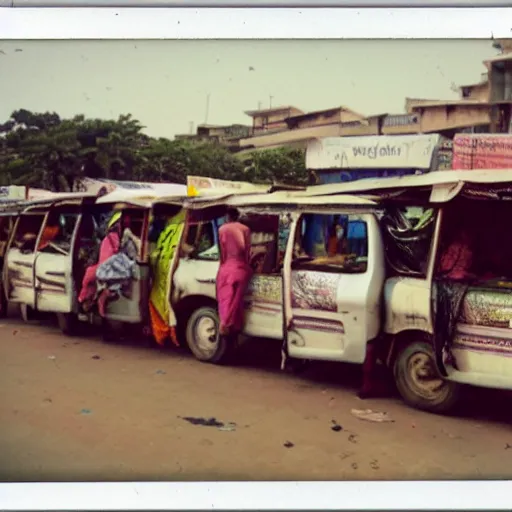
(328, 307)
(41, 278)
(8, 214)
(46, 276)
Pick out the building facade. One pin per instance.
(272, 119)
(483, 107)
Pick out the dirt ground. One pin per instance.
(79, 409)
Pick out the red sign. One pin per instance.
(482, 151)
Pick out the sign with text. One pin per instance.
(372, 152)
(13, 193)
(197, 183)
(482, 151)
(104, 186)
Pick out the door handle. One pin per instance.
(23, 264)
(208, 281)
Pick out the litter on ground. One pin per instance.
(374, 416)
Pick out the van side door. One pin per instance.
(334, 275)
(132, 308)
(54, 284)
(18, 271)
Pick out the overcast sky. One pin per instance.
(165, 84)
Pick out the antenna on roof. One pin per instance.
(259, 105)
(270, 101)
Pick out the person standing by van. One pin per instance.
(234, 273)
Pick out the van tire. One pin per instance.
(68, 323)
(203, 328)
(411, 363)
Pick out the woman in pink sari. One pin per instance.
(234, 273)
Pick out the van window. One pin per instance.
(58, 232)
(331, 243)
(201, 237)
(134, 219)
(5, 230)
(27, 231)
(407, 236)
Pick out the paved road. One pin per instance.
(66, 415)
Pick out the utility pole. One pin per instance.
(270, 101)
(191, 127)
(207, 108)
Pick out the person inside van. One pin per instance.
(109, 246)
(50, 232)
(457, 259)
(336, 240)
(357, 238)
(27, 243)
(234, 273)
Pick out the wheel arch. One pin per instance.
(400, 340)
(186, 306)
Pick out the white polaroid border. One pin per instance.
(299, 23)
(406, 496)
(265, 23)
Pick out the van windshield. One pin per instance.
(326, 242)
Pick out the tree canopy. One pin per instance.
(44, 150)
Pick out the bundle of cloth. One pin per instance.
(112, 275)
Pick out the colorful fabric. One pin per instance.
(115, 271)
(356, 230)
(456, 261)
(49, 234)
(161, 259)
(115, 275)
(130, 244)
(234, 275)
(109, 246)
(116, 217)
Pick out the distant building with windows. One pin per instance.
(227, 136)
(483, 107)
(272, 119)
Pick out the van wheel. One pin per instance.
(419, 382)
(203, 339)
(68, 323)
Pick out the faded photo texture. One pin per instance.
(77, 408)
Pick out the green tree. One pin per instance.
(281, 165)
(43, 150)
(173, 161)
(115, 145)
